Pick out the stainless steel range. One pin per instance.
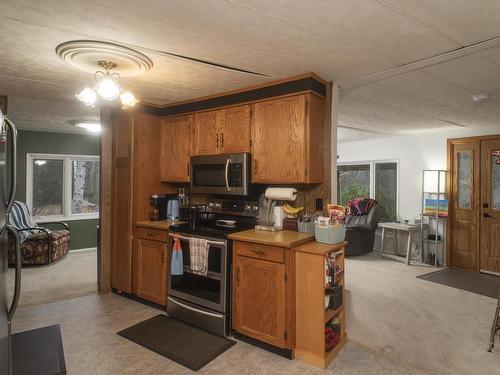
(205, 300)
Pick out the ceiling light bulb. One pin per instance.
(40, 162)
(128, 100)
(93, 127)
(480, 97)
(107, 88)
(87, 96)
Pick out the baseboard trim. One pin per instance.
(83, 250)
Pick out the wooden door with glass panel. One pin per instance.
(490, 206)
(464, 195)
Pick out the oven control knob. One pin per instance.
(248, 207)
(217, 205)
(211, 204)
(255, 208)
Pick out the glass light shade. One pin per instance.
(107, 88)
(128, 100)
(87, 96)
(431, 179)
(93, 127)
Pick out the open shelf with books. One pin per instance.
(320, 298)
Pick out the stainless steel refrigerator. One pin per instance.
(8, 141)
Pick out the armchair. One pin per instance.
(39, 245)
(360, 231)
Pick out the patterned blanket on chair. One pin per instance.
(360, 206)
(21, 218)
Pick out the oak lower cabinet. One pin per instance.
(152, 270)
(287, 140)
(261, 293)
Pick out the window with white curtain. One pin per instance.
(370, 179)
(62, 186)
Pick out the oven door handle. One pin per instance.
(226, 174)
(187, 239)
(218, 316)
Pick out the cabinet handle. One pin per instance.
(150, 234)
(221, 139)
(188, 171)
(255, 166)
(259, 253)
(216, 140)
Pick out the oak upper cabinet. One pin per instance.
(222, 131)
(235, 130)
(152, 270)
(287, 140)
(259, 295)
(206, 133)
(175, 141)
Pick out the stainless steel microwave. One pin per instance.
(226, 174)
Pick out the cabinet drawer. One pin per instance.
(152, 234)
(258, 251)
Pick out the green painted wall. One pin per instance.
(83, 232)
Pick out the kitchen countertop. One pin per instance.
(160, 224)
(320, 248)
(283, 238)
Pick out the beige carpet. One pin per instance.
(432, 327)
(73, 276)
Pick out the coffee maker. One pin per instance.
(158, 210)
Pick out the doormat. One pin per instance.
(189, 346)
(475, 282)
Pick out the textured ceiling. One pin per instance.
(340, 40)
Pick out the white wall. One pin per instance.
(413, 153)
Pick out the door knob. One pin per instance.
(486, 214)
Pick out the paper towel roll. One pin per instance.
(281, 194)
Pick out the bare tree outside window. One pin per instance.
(85, 189)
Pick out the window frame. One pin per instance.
(373, 164)
(67, 195)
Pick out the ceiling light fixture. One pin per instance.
(107, 88)
(480, 97)
(93, 127)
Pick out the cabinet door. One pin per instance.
(259, 308)
(121, 236)
(235, 130)
(175, 148)
(152, 271)
(206, 135)
(278, 141)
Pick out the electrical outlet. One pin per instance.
(319, 204)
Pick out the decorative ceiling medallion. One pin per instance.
(84, 55)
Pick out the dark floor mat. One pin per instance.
(475, 282)
(187, 345)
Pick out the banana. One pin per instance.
(292, 211)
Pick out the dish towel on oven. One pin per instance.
(177, 264)
(198, 249)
